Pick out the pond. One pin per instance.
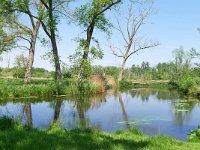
(155, 112)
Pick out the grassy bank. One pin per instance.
(124, 84)
(13, 136)
(15, 88)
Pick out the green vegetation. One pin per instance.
(20, 137)
(195, 135)
(13, 88)
(124, 84)
(20, 72)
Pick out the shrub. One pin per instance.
(19, 73)
(124, 84)
(67, 75)
(188, 83)
(6, 123)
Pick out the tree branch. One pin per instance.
(106, 8)
(141, 48)
(115, 53)
(45, 4)
(45, 29)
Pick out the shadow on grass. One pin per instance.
(21, 138)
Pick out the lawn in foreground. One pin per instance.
(20, 137)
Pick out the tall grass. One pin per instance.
(17, 89)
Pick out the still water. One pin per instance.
(155, 112)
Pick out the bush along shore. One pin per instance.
(124, 84)
(16, 136)
(13, 88)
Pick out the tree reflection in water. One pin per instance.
(28, 114)
(124, 111)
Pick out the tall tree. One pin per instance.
(35, 29)
(91, 16)
(182, 61)
(54, 10)
(129, 30)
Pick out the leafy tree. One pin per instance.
(91, 16)
(27, 31)
(182, 62)
(54, 10)
(20, 63)
(8, 30)
(165, 71)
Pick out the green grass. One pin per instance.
(19, 137)
(15, 88)
(194, 136)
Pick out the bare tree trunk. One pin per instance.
(29, 66)
(54, 47)
(122, 70)
(56, 58)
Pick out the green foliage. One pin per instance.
(6, 123)
(87, 14)
(37, 72)
(67, 75)
(19, 73)
(194, 135)
(41, 73)
(187, 83)
(182, 63)
(11, 29)
(95, 52)
(7, 37)
(91, 16)
(82, 88)
(40, 88)
(124, 84)
(20, 61)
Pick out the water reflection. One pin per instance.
(183, 110)
(124, 111)
(57, 109)
(28, 113)
(155, 111)
(160, 94)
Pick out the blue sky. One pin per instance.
(174, 24)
